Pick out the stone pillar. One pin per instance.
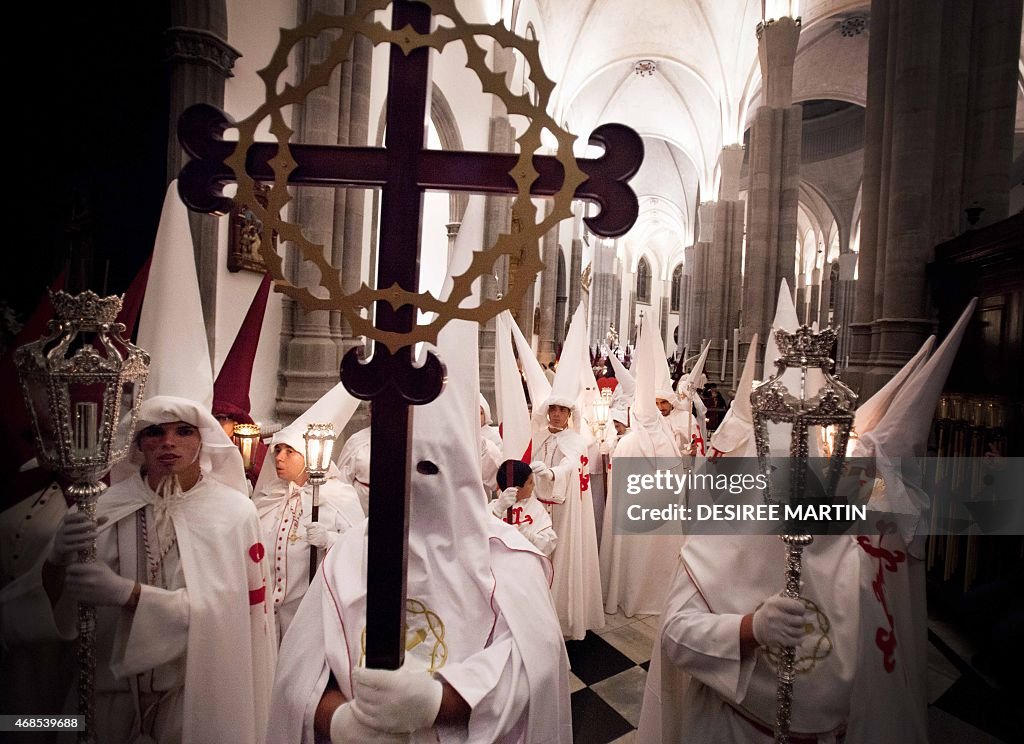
(874, 194)
(814, 300)
(988, 155)
(774, 169)
(349, 204)
(548, 291)
(497, 218)
(724, 258)
(845, 297)
(573, 280)
(199, 61)
(699, 297)
(310, 363)
(604, 288)
(687, 301)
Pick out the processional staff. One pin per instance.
(403, 169)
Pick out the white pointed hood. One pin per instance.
(536, 380)
(786, 319)
(735, 435)
(691, 382)
(624, 391)
(510, 398)
(171, 325)
(903, 430)
(647, 421)
(870, 413)
(567, 386)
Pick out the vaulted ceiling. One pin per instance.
(705, 83)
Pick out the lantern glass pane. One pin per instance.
(85, 419)
(129, 399)
(39, 403)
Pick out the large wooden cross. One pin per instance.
(402, 169)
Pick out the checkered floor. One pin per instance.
(609, 669)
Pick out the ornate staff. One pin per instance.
(829, 405)
(319, 445)
(83, 385)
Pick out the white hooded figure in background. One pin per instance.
(636, 569)
(184, 636)
(354, 464)
(561, 469)
(734, 437)
(284, 500)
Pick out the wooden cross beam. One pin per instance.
(402, 169)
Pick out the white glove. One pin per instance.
(96, 583)
(347, 729)
(399, 701)
(779, 621)
(505, 499)
(316, 534)
(76, 532)
(541, 470)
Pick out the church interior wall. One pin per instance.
(256, 36)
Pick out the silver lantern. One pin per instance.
(83, 385)
(806, 399)
(319, 447)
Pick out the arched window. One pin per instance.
(677, 288)
(643, 281)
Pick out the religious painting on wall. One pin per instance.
(246, 234)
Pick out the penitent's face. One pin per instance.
(558, 416)
(290, 464)
(665, 406)
(170, 449)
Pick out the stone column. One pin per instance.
(548, 291)
(573, 280)
(724, 258)
(349, 204)
(497, 218)
(199, 61)
(845, 296)
(604, 288)
(687, 301)
(988, 154)
(774, 168)
(310, 364)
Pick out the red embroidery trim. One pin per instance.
(888, 560)
(257, 596)
(584, 476)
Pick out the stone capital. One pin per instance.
(730, 162)
(200, 46)
(777, 41)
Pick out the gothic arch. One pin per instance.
(443, 119)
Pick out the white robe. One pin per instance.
(207, 642)
(700, 688)
(516, 684)
(354, 465)
(285, 536)
(533, 522)
(636, 569)
(576, 587)
(34, 676)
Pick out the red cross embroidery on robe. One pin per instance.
(584, 475)
(888, 560)
(519, 518)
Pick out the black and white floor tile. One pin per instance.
(609, 669)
